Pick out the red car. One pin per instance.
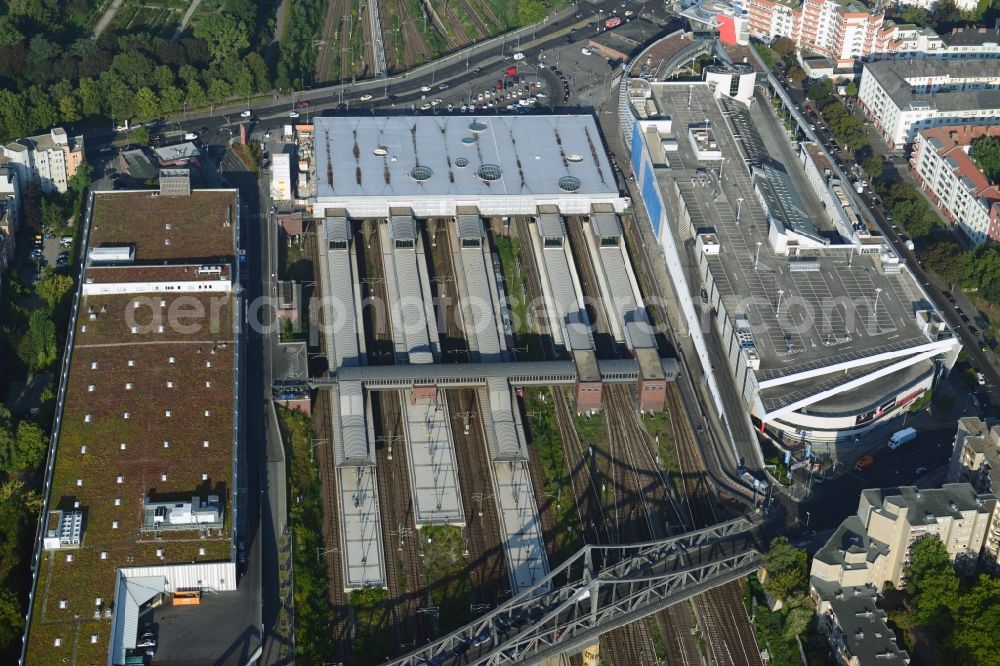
(302, 105)
(510, 71)
(499, 85)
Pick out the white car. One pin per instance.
(586, 51)
(518, 56)
(443, 86)
(980, 378)
(540, 95)
(246, 114)
(451, 107)
(366, 97)
(628, 12)
(293, 114)
(425, 88)
(465, 108)
(425, 106)
(437, 101)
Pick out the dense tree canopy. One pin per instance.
(947, 259)
(965, 618)
(985, 153)
(787, 569)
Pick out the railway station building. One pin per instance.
(813, 325)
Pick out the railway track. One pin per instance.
(476, 17)
(341, 625)
(720, 610)
(444, 288)
(330, 38)
(404, 570)
(415, 49)
(483, 534)
(482, 8)
(604, 341)
(596, 527)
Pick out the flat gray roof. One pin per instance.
(973, 36)
(923, 506)
(460, 156)
(847, 332)
(892, 75)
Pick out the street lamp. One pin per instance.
(878, 292)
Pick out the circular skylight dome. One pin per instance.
(477, 126)
(461, 162)
(489, 172)
(469, 140)
(421, 173)
(569, 183)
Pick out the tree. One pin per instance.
(9, 34)
(146, 103)
(53, 288)
(69, 108)
(820, 90)
(787, 569)
(11, 618)
(53, 214)
(982, 270)
(932, 583)
(783, 46)
(765, 53)
(13, 115)
(39, 344)
(985, 153)
(140, 135)
(28, 450)
(796, 74)
(226, 36)
(90, 96)
(946, 259)
(976, 637)
(851, 89)
(18, 510)
(873, 165)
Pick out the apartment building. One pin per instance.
(942, 167)
(842, 30)
(48, 160)
(872, 547)
(903, 97)
(976, 461)
(855, 627)
(907, 41)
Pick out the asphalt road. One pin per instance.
(455, 69)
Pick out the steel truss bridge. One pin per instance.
(599, 589)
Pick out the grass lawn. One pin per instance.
(445, 565)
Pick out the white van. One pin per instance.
(191, 136)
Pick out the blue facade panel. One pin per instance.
(651, 197)
(637, 148)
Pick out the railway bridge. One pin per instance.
(521, 373)
(598, 589)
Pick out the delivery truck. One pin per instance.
(901, 437)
